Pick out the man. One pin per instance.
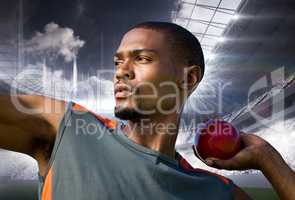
(82, 155)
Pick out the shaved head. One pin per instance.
(185, 47)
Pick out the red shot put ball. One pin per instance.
(217, 139)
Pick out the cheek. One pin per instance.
(161, 87)
(146, 73)
(154, 74)
(158, 77)
(148, 81)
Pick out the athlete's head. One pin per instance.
(158, 65)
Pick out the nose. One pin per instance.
(125, 72)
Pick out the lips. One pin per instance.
(122, 91)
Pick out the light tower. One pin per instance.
(20, 40)
(44, 74)
(75, 74)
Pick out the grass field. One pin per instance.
(262, 193)
(28, 191)
(18, 190)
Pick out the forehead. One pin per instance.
(140, 38)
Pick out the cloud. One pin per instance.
(97, 95)
(281, 135)
(34, 80)
(17, 166)
(55, 40)
(93, 92)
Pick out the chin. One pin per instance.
(127, 114)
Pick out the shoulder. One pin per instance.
(184, 164)
(106, 121)
(237, 192)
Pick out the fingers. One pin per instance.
(210, 161)
(231, 164)
(216, 163)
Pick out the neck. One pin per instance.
(156, 132)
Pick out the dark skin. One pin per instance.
(259, 154)
(143, 56)
(155, 68)
(31, 134)
(256, 154)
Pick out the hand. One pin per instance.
(259, 154)
(252, 156)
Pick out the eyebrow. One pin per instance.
(136, 51)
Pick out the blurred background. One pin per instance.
(64, 49)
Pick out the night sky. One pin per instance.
(100, 24)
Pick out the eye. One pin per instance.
(118, 62)
(143, 59)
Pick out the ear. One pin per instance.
(191, 78)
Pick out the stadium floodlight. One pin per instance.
(235, 17)
(220, 39)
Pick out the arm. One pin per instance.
(258, 154)
(28, 124)
(279, 174)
